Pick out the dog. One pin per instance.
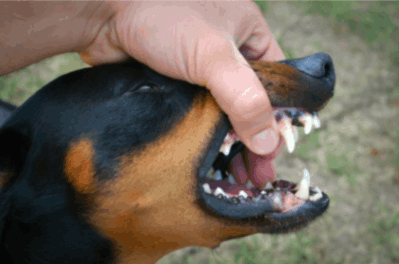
(111, 164)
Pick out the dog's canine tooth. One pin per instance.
(295, 133)
(249, 185)
(219, 191)
(269, 186)
(207, 188)
(303, 190)
(225, 149)
(242, 193)
(262, 192)
(218, 176)
(231, 179)
(306, 176)
(316, 120)
(307, 122)
(226, 146)
(286, 130)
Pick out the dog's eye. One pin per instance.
(148, 87)
(142, 88)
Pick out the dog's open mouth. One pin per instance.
(277, 200)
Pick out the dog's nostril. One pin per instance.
(318, 65)
(327, 69)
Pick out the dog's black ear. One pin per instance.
(13, 154)
(36, 208)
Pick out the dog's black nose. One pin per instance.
(319, 66)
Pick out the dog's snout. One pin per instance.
(319, 66)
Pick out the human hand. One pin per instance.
(198, 42)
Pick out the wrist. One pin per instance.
(34, 31)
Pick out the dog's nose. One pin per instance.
(319, 65)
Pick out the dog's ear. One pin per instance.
(13, 154)
(36, 208)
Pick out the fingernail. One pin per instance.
(265, 142)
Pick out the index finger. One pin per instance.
(241, 95)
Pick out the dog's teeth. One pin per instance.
(307, 122)
(316, 196)
(242, 193)
(295, 133)
(286, 130)
(262, 192)
(278, 201)
(207, 188)
(225, 149)
(226, 146)
(306, 176)
(231, 179)
(219, 191)
(249, 185)
(303, 190)
(218, 176)
(316, 121)
(269, 186)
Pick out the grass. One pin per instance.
(19, 86)
(386, 231)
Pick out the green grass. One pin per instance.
(372, 21)
(20, 85)
(263, 6)
(386, 231)
(307, 144)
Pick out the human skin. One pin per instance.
(204, 43)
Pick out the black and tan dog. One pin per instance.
(109, 165)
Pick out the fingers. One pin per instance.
(261, 44)
(242, 97)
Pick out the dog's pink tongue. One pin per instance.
(262, 170)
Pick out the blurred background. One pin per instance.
(353, 157)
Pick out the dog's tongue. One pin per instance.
(262, 169)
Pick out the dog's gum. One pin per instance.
(290, 202)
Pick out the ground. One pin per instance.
(353, 157)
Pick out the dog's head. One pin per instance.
(112, 162)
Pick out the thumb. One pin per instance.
(242, 97)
